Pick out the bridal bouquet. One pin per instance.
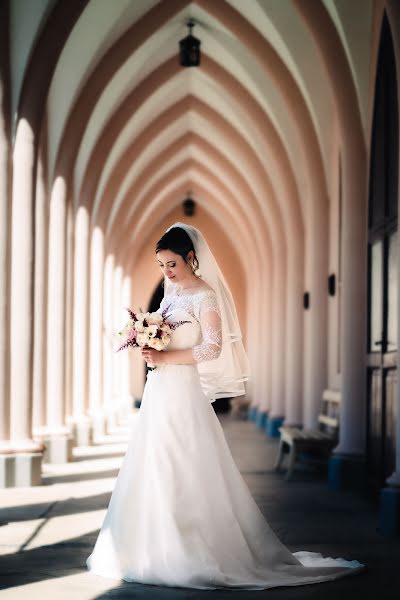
(149, 329)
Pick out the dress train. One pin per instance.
(181, 513)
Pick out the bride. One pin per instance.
(181, 514)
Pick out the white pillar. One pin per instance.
(294, 343)
(347, 467)
(264, 341)
(81, 422)
(353, 313)
(126, 358)
(315, 318)
(119, 316)
(40, 303)
(261, 361)
(5, 206)
(58, 439)
(278, 391)
(69, 314)
(21, 321)
(258, 343)
(108, 342)
(96, 410)
(254, 358)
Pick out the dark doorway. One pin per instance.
(382, 270)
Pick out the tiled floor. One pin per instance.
(47, 532)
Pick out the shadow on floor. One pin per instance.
(304, 513)
(69, 506)
(71, 477)
(88, 456)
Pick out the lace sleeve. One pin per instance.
(162, 304)
(161, 307)
(210, 322)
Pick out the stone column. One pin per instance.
(275, 415)
(256, 387)
(315, 318)
(108, 343)
(96, 409)
(117, 321)
(40, 303)
(58, 440)
(28, 461)
(254, 360)
(347, 467)
(5, 214)
(69, 306)
(125, 356)
(294, 344)
(259, 302)
(82, 429)
(7, 460)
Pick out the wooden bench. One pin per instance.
(324, 439)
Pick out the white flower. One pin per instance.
(154, 319)
(156, 343)
(151, 330)
(139, 326)
(142, 339)
(125, 333)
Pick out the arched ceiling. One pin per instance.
(353, 21)
(261, 76)
(26, 19)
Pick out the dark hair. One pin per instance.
(177, 240)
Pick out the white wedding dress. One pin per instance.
(181, 514)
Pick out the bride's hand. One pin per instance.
(153, 357)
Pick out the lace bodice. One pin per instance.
(203, 333)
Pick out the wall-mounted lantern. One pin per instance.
(189, 48)
(332, 284)
(189, 206)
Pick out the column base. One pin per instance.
(272, 427)
(252, 413)
(82, 433)
(58, 449)
(20, 469)
(123, 412)
(111, 423)
(347, 472)
(98, 426)
(261, 418)
(389, 512)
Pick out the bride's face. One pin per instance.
(173, 266)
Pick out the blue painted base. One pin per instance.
(272, 428)
(266, 424)
(347, 472)
(389, 512)
(261, 419)
(252, 413)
